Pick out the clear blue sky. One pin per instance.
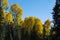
(39, 8)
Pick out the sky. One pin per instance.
(39, 8)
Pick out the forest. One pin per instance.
(13, 27)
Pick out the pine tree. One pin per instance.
(56, 17)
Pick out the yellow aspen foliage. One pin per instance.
(17, 9)
(54, 32)
(4, 3)
(18, 12)
(38, 26)
(4, 14)
(19, 17)
(9, 17)
(47, 22)
(25, 23)
(20, 22)
(47, 31)
(47, 27)
(29, 23)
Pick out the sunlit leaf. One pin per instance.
(9, 17)
(4, 4)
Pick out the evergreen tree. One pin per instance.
(56, 17)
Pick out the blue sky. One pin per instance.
(39, 8)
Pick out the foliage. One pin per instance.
(47, 27)
(4, 4)
(29, 23)
(12, 27)
(9, 17)
(38, 25)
